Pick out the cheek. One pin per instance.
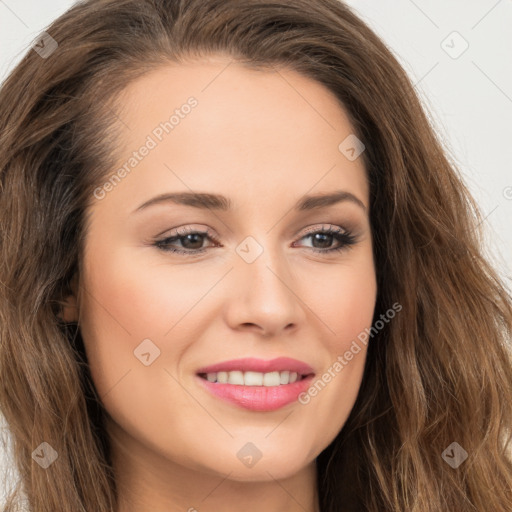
(344, 299)
(139, 296)
(129, 298)
(345, 304)
(119, 308)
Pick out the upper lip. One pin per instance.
(251, 364)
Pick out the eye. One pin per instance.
(325, 237)
(192, 240)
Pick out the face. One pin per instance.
(170, 287)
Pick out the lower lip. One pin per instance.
(258, 398)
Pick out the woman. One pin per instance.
(335, 342)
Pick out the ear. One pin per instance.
(69, 307)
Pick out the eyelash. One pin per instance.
(345, 238)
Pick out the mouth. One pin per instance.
(249, 378)
(256, 384)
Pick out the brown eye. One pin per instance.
(191, 242)
(323, 238)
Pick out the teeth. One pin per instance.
(236, 378)
(253, 378)
(271, 379)
(222, 377)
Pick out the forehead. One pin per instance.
(218, 125)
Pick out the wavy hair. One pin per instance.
(439, 372)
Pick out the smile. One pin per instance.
(257, 384)
(253, 378)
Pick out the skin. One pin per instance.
(264, 139)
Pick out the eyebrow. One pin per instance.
(219, 202)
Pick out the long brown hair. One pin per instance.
(440, 372)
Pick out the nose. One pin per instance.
(264, 297)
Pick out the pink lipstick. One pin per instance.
(257, 384)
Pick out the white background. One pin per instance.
(469, 97)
